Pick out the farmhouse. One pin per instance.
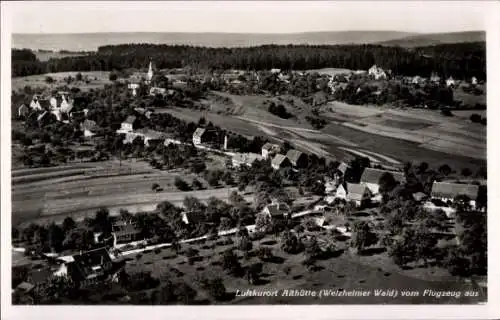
(88, 268)
(23, 111)
(357, 193)
(377, 73)
(203, 136)
(269, 150)
(447, 191)
(246, 159)
(276, 210)
(89, 128)
(297, 159)
(280, 161)
(130, 124)
(124, 232)
(157, 90)
(371, 178)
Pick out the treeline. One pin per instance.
(462, 60)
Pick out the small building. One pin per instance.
(357, 193)
(419, 196)
(417, 80)
(371, 178)
(89, 128)
(341, 192)
(450, 82)
(203, 136)
(133, 87)
(277, 210)
(275, 71)
(246, 159)
(36, 105)
(90, 267)
(130, 124)
(157, 91)
(447, 191)
(280, 161)
(473, 81)
(435, 78)
(377, 73)
(269, 150)
(297, 159)
(124, 232)
(23, 111)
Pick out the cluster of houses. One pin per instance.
(60, 105)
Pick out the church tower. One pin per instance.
(150, 72)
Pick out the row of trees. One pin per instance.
(461, 60)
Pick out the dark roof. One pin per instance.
(278, 209)
(40, 275)
(125, 229)
(451, 190)
(371, 175)
(84, 263)
(130, 120)
(294, 155)
(44, 103)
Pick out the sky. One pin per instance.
(245, 17)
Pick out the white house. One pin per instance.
(89, 128)
(269, 150)
(357, 193)
(377, 73)
(198, 136)
(129, 124)
(341, 192)
(447, 191)
(157, 90)
(133, 87)
(23, 111)
(473, 80)
(450, 82)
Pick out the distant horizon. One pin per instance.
(247, 33)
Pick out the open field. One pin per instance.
(342, 271)
(97, 79)
(53, 193)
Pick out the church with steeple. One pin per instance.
(150, 72)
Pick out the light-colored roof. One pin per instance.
(342, 167)
(451, 190)
(355, 191)
(372, 175)
(278, 160)
(199, 132)
(277, 209)
(418, 196)
(151, 134)
(248, 158)
(269, 146)
(294, 155)
(130, 119)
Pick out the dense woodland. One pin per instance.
(461, 60)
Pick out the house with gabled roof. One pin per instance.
(357, 193)
(297, 158)
(371, 178)
(89, 128)
(203, 136)
(269, 150)
(23, 111)
(124, 232)
(130, 124)
(447, 191)
(90, 267)
(280, 161)
(276, 210)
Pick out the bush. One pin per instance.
(215, 287)
(113, 76)
(279, 110)
(181, 184)
(446, 112)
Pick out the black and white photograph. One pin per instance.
(245, 153)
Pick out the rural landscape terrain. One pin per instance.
(190, 169)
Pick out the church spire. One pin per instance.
(150, 71)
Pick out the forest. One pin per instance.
(460, 60)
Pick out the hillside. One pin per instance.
(436, 38)
(91, 41)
